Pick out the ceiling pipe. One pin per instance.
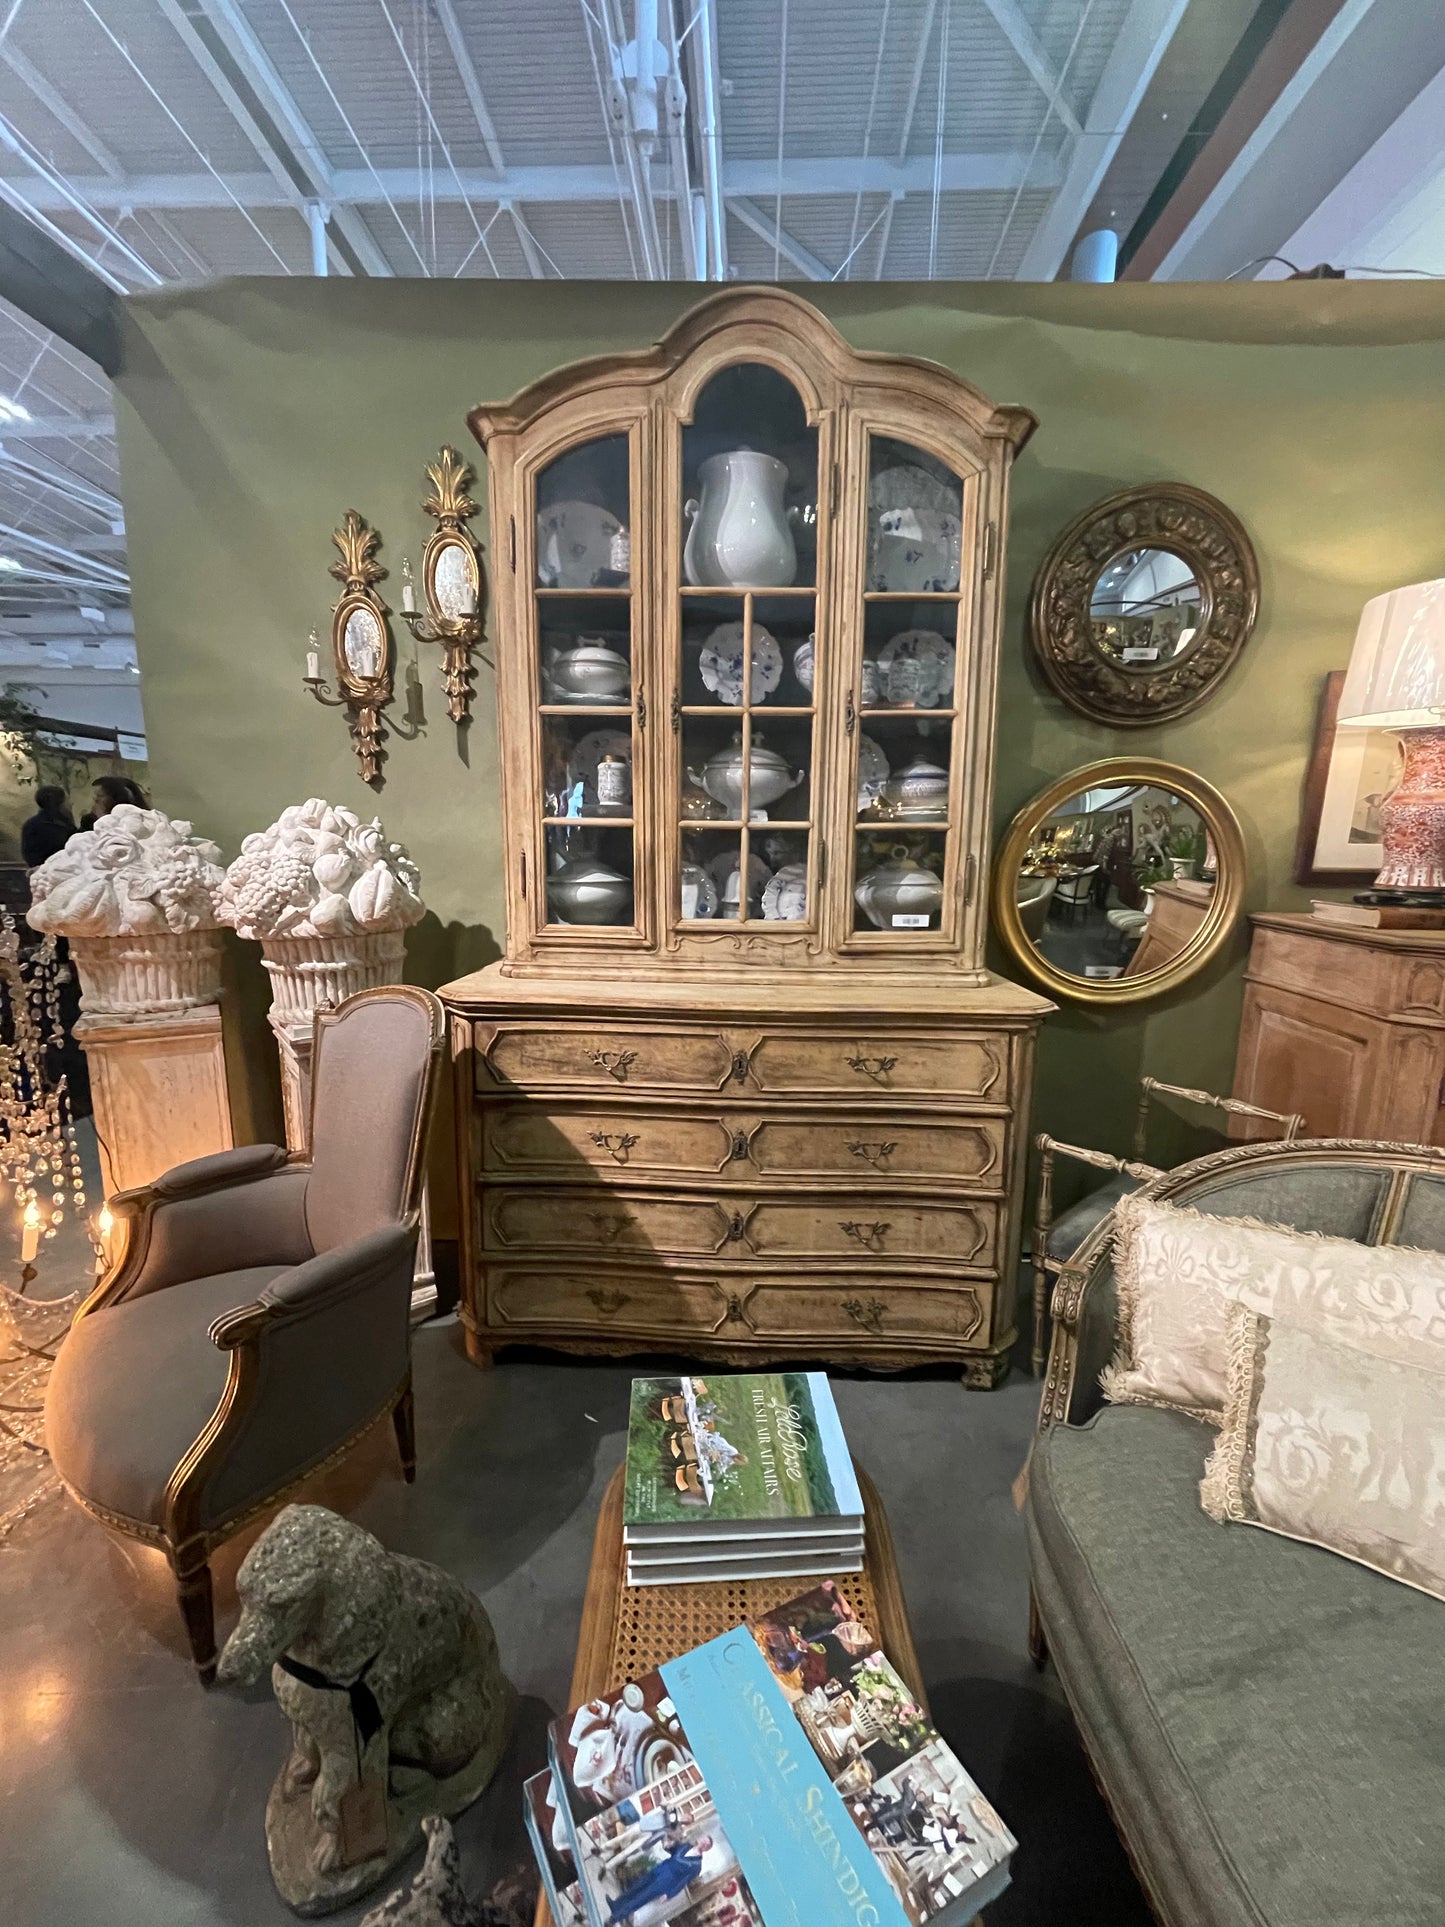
(694, 257)
(316, 219)
(706, 87)
(22, 538)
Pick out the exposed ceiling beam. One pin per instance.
(1025, 43)
(60, 110)
(54, 428)
(905, 132)
(47, 282)
(57, 552)
(1147, 30)
(777, 237)
(224, 45)
(462, 60)
(982, 173)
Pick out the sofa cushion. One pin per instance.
(1268, 1719)
(1071, 1227)
(134, 1384)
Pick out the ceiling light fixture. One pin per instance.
(12, 411)
(11, 566)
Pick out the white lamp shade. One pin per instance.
(1396, 678)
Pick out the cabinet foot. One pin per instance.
(479, 1351)
(987, 1373)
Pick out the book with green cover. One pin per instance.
(737, 1456)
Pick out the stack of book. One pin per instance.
(741, 1476)
(783, 1775)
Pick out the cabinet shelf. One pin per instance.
(587, 822)
(733, 593)
(725, 711)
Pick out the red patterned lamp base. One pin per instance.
(1413, 818)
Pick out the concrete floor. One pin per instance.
(130, 1797)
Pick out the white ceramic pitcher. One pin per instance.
(740, 536)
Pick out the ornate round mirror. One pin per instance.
(1120, 880)
(1143, 604)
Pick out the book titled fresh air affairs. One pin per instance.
(738, 1476)
(782, 1775)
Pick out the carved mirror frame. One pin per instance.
(1160, 515)
(1215, 926)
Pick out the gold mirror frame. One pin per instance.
(1187, 523)
(1220, 919)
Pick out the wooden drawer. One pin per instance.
(623, 1145)
(882, 1146)
(880, 1227)
(937, 1064)
(562, 1057)
(613, 1223)
(551, 1298)
(826, 1309)
(605, 1223)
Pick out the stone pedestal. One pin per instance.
(294, 1043)
(158, 1084)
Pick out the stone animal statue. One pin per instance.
(435, 1898)
(387, 1669)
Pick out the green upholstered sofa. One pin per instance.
(1266, 1719)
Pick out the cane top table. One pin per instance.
(628, 1630)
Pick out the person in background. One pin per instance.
(108, 791)
(50, 829)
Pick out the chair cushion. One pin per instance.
(1071, 1227)
(1268, 1719)
(133, 1386)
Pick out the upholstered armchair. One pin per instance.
(257, 1320)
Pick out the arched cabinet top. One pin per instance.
(769, 325)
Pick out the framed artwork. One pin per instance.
(1350, 774)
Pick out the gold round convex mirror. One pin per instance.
(1120, 880)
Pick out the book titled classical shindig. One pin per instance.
(753, 1458)
(782, 1775)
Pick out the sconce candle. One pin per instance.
(30, 1233)
(313, 665)
(408, 589)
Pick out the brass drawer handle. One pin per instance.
(869, 1315)
(737, 1228)
(742, 1064)
(607, 1302)
(875, 1067)
(870, 1236)
(874, 1154)
(614, 1062)
(609, 1225)
(615, 1143)
(741, 1146)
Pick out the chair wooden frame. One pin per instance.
(243, 1333)
(1050, 1148)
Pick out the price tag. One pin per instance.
(910, 920)
(364, 1830)
(1139, 655)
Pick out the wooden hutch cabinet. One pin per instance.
(742, 1087)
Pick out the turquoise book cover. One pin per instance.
(755, 1450)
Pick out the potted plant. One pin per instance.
(327, 897)
(1186, 852)
(136, 897)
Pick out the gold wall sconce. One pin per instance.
(362, 652)
(453, 581)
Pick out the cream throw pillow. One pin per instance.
(1180, 1275)
(1339, 1445)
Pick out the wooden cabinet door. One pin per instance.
(1299, 1055)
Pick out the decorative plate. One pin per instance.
(785, 900)
(934, 655)
(873, 772)
(907, 486)
(582, 763)
(914, 551)
(574, 545)
(803, 664)
(722, 663)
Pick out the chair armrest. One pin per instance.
(255, 1219)
(221, 1168)
(334, 1273)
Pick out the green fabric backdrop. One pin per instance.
(253, 413)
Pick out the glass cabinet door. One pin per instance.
(587, 684)
(904, 709)
(747, 786)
